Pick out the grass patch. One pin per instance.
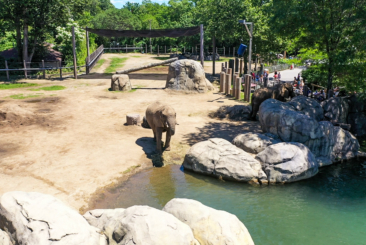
(50, 88)
(134, 89)
(162, 58)
(16, 85)
(21, 96)
(99, 64)
(222, 59)
(136, 56)
(116, 63)
(131, 169)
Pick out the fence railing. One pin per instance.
(279, 67)
(92, 59)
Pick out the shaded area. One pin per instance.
(225, 130)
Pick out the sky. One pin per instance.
(120, 3)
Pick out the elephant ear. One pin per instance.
(162, 119)
(284, 92)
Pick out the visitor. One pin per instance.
(298, 77)
(295, 81)
(279, 76)
(301, 85)
(261, 79)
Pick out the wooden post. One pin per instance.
(170, 51)
(150, 49)
(234, 52)
(192, 50)
(25, 69)
(7, 72)
(184, 49)
(228, 81)
(60, 66)
(233, 91)
(87, 57)
(213, 55)
(145, 48)
(247, 83)
(241, 67)
(44, 71)
(222, 66)
(158, 50)
(74, 52)
(238, 88)
(224, 51)
(165, 50)
(201, 45)
(222, 81)
(256, 62)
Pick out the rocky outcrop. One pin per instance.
(209, 226)
(33, 218)
(120, 82)
(336, 109)
(187, 75)
(236, 112)
(288, 162)
(143, 225)
(322, 138)
(220, 158)
(105, 220)
(4, 238)
(308, 106)
(253, 142)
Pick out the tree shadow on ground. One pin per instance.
(225, 130)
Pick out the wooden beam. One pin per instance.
(74, 52)
(147, 66)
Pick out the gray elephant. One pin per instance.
(161, 118)
(279, 92)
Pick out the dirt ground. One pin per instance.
(73, 142)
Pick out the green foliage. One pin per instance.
(50, 88)
(7, 41)
(16, 85)
(21, 96)
(116, 63)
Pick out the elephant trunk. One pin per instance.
(171, 124)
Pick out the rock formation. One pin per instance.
(187, 75)
(292, 125)
(288, 162)
(220, 158)
(236, 112)
(33, 218)
(120, 83)
(253, 142)
(209, 226)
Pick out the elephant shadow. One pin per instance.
(149, 147)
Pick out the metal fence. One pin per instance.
(279, 67)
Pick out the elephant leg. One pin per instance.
(154, 131)
(167, 142)
(159, 132)
(255, 108)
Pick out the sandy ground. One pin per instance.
(80, 143)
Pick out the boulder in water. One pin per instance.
(288, 162)
(220, 158)
(187, 75)
(209, 226)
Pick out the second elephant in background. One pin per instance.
(161, 118)
(279, 92)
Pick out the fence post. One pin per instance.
(126, 48)
(25, 69)
(224, 51)
(158, 50)
(201, 45)
(145, 48)
(234, 52)
(60, 66)
(213, 55)
(87, 61)
(74, 52)
(150, 49)
(6, 67)
(184, 49)
(44, 71)
(170, 50)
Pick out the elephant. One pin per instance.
(161, 118)
(279, 92)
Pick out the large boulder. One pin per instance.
(322, 138)
(120, 82)
(4, 238)
(142, 225)
(105, 220)
(336, 109)
(37, 219)
(288, 162)
(187, 75)
(357, 115)
(236, 112)
(220, 158)
(308, 106)
(209, 226)
(253, 142)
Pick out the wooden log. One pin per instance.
(133, 119)
(74, 52)
(7, 72)
(238, 88)
(147, 66)
(222, 81)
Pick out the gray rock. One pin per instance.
(37, 219)
(120, 82)
(187, 75)
(308, 106)
(209, 226)
(4, 238)
(336, 109)
(236, 112)
(323, 161)
(288, 162)
(220, 158)
(322, 138)
(106, 220)
(143, 225)
(253, 142)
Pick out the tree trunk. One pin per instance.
(25, 42)
(330, 76)
(19, 40)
